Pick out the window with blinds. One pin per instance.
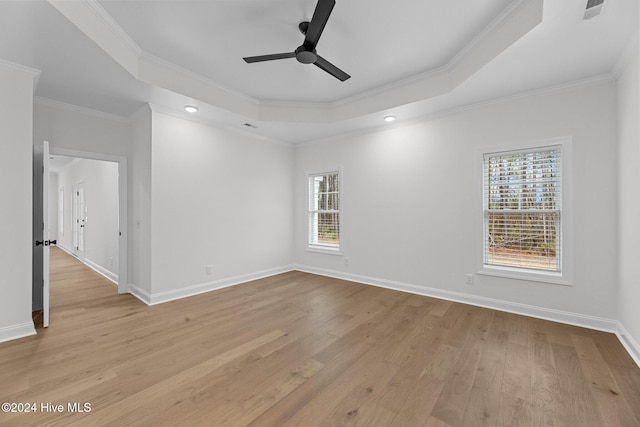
(522, 207)
(324, 211)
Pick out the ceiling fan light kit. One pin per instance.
(306, 53)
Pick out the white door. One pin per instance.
(46, 235)
(79, 219)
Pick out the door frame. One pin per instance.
(46, 234)
(123, 278)
(77, 219)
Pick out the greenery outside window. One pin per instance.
(523, 216)
(324, 211)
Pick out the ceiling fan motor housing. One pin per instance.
(306, 54)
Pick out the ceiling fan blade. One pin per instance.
(272, 57)
(318, 21)
(331, 69)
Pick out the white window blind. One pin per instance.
(324, 211)
(522, 204)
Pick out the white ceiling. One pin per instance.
(408, 57)
(376, 42)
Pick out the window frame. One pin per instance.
(565, 275)
(319, 247)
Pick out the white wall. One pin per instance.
(76, 130)
(234, 193)
(219, 198)
(16, 151)
(410, 199)
(629, 201)
(81, 130)
(140, 205)
(100, 180)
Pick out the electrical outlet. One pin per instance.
(346, 262)
(468, 279)
(209, 269)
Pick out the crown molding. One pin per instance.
(139, 112)
(81, 110)
(163, 63)
(92, 20)
(12, 66)
(207, 121)
(112, 25)
(514, 22)
(442, 71)
(446, 70)
(560, 88)
(563, 87)
(485, 32)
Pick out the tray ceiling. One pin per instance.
(409, 57)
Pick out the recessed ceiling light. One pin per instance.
(191, 108)
(389, 118)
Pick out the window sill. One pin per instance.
(524, 274)
(324, 249)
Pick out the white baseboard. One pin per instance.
(632, 347)
(93, 265)
(160, 297)
(14, 332)
(576, 319)
(141, 294)
(101, 270)
(64, 249)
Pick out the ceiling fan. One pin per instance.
(306, 53)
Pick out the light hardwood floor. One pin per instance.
(299, 349)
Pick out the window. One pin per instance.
(324, 211)
(523, 212)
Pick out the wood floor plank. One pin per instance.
(629, 382)
(547, 399)
(577, 405)
(517, 372)
(419, 402)
(384, 336)
(604, 388)
(516, 400)
(514, 411)
(355, 390)
(372, 415)
(242, 412)
(300, 349)
(454, 398)
(482, 407)
(183, 379)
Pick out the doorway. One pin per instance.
(78, 219)
(75, 198)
